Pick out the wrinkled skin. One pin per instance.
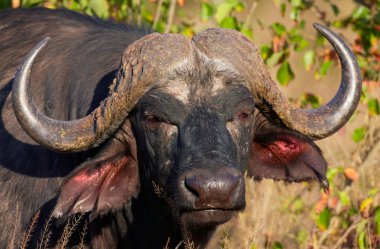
(173, 169)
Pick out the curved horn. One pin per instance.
(91, 130)
(324, 121)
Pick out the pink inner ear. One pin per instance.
(280, 149)
(99, 187)
(286, 156)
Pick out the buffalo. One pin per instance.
(148, 136)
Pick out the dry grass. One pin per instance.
(28, 233)
(46, 234)
(69, 230)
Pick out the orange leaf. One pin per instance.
(333, 202)
(322, 203)
(351, 174)
(181, 3)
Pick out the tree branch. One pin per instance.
(170, 16)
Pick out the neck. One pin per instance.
(154, 226)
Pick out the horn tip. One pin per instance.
(44, 41)
(318, 26)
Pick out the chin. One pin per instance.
(199, 225)
(207, 217)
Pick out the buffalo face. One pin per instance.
(190, 118)
(196, 147)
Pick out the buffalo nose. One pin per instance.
(208, 189)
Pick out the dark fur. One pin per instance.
(69, 79)
(81, 60)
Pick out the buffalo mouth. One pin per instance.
(208, 217)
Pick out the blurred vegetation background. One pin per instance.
(280, 215)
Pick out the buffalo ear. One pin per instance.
(282, 154)
(105, 183)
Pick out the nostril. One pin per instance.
(190, 184)
(203, 188)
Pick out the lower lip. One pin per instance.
(208, 216)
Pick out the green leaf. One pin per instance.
(373, 192)
(377, 221)
(362, 242)
(296, 3)
(229, 23)
(344, 199)
(301, 44)
(187, 31)
(362, 61)
(223, 11)
(247, 32)
(325, 67)
(283, 9)
(207, 11)
(373, 106)
(278, 28)
(99, 8)
(275, 58)
(361, 226)
(294, 14)
(361, 12)
(5, 4)
(335, 9)
(298, 206)
(324, 219)
(82, 3)
(333, 172)
(30, 3)
(338, 24)
(320, 40)
(277, 245)
(308, 59)
(160, 28)
(359, 134)
(302, 236)
(310, 99)
(265, 52)
(240, 7)
(285, 74)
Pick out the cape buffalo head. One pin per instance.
(190, 117)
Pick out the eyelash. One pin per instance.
(153, 120)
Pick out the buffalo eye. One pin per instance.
(153, 120)
(243, 115)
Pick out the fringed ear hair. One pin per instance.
(105, 183)
(281, 154)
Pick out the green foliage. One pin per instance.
(344, 198)
(278, 28)
(308, 59)
(373, 106)
(309, 100)
(207, 11)
(277, 245)
(377, 220)
(358, 134)
(324, 219)
(285, 74)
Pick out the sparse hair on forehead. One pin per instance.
(200, 71)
